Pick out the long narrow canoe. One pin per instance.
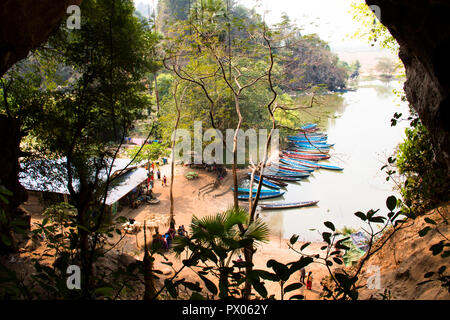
(311, 134)
(263, 191)
(276, 182)
(317, 165)
(306, 157)
(310, 138)
(319, 149)
(309, 151)
(287, 168)
(309, 126)
(287, 172)
(313, 165)
(294, 162)
(282, 178)
(277, 206)
(313, 144)
(305, 154)
(291, 163)
(261, 197)
(284, 172)
(266, 182)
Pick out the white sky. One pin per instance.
(330, 19)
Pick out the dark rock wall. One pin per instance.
(25, 24)
(422, 28)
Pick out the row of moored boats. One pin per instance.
(304, 155)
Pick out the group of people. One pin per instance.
(309, 278)
(151, 176)
(165, 241)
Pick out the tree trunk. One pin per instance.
(9, 177)
(149, 281)
(156, 93)
(248, 255)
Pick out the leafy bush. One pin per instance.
(424, 185)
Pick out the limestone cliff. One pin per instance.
(422, 29)
(25, 24)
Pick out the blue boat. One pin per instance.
(263, 191)
(309, 148)
(317, 155)
(265, 182)
(286, 173)
(314, 144)
(306, 156)
(262, 197)
(290, 163)
(282, 178)
(317, 165)
(303, 138)
(309, 126)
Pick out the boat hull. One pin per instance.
(266, 183)
(279, 206)
(261, 197)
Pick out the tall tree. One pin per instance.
(111, 56)
(24, 89)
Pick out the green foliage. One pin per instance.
(306, 62)
(370, 28)
(214, 241)
(149, 152)
(424, 185)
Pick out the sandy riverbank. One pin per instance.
(188, 201)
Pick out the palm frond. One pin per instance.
(258, 231)
(235, 217)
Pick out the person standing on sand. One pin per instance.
(309, 281)
(158, 174)
(302, 275)
(165, 181)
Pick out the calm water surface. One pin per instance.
(364, 139)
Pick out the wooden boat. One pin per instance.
(263, 191)
(306, 157)
(288, 173)
(262, 197)
(309, 151)
(309, 126)
(319, 149)
(282, 178)
(312, 144)
(284, 205)
(307, 138)
(317, 165)
(311, 134)
(295, 163)
(301, 163)
(291, 163)
(268, 183)
(287, 168)
(305, 154)
(321, 165)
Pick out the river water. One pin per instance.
(364, 139)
